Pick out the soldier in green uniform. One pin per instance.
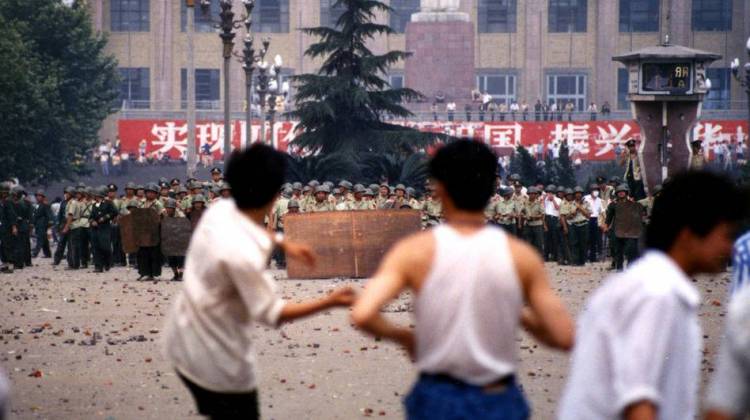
(225, 191)
(321, 202)
(176, 262)
(8, 229)
(118, 256)
(216, 177)
(382, 198)
(578, 220)
(533, 220)
(505, 211)
(73, 228)
(432, 210)
(359, 202)
(623, 248)
(42, 221)
(150, 258)
(566, 211)
(103, 213)
(24, 213)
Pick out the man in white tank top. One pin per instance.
(474, 286)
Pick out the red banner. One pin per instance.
(588, 140)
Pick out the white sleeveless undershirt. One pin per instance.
(469, 307)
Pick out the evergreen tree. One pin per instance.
(523, 164)
(57, 87)
(566, 173)
(342, 107)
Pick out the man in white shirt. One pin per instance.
(553, 234)
(638, 347)
(595, 235)
(474, 285)
(227, 290)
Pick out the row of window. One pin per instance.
(561, 88)
(493, 15)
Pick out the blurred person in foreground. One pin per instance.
(474, 286)
(638, 347)
(227, 290)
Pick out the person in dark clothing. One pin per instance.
(150, 258)
(22, 243)
(102, 215)
(42, 220)
(8, 229)
(62, 237)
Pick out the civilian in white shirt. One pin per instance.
(474, 286)
(227, 290)
(638, 347)
(553, 234)
(595, 235)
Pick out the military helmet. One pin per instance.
(199, 198)
(532, 190)
(171, 203)
(328, 184)
(345, 184)
(622, 188)
(130, 186)
(87, 190)
(561, 189)
(371, 192)
(101, 191)
(133, 203)
(139, 187)
(515, 177)
(506, 191)
(578, 189)
(306, 188)
(569, 191)
(224, 186)
(550, 188)
(323, 188)
(297, 186)
(40, 192)
(152, 187)
(400, 187)
(313, 183)
(68, 189)
(284, 186)
(359, 188)
(293, 204)
(81, 185)
(215, 170)
(181, 190)
(374, 187)
(162, 180)
(614, 180)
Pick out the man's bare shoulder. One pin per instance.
(416, 244)
(525, 257)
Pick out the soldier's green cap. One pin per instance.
(515, 177)
(578, 189)
(306, 188)
(199, 198)
(100, 191)
(657, 189)
(80, 189)
(181, 190)
(550, 188)
(374, 187)
(40, 192)
(225, 187)
(130, 186)
(532, 190)
(283, 186)
(195, 185)
(561, 189)
(314, 183)
(286, 192)
(506, 191)
(139, 187)
(410, 190)
(293, 204)
(152, 187)
(622, 188)
(215, 190)
(297, 186)
(171, 203)
(371, 192)
(359, 188)
(401, 187)
(87, 190)
(328, 184)
(323, 189)
(133, 203)
(568, 191)
(345, 184)
(69, 190)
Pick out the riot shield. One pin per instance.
(175, 236)
(628, 220)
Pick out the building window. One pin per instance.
(712, 15)
(720, 95)
(563, 88)
(330, 12)
(129, 15)
(502, 87)
(622, 89)
(567, 15)
(496, 16)
(203, 23)
(639, 15)
(271, 16)
(401, 13)
(396, 81)
(135, 87)
(207, 83)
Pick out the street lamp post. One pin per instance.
(276, 89)
(263, 82)
(249, 60)
(190, 150)
(745, 83)
(227, 25)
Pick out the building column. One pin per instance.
(605, 70)
(535, 30)
(680, 22)
(163, 27)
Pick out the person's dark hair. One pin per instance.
(466, 169)
(255, 175)
(684, 203)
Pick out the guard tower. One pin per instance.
(666, 86)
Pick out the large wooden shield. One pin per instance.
(628, 220)
(175, 236)
(127, 236)
(348, 244)
(195, 217)
(146, 227)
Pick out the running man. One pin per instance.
(474, 286)
(226, 290)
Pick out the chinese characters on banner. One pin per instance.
(587, 140)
